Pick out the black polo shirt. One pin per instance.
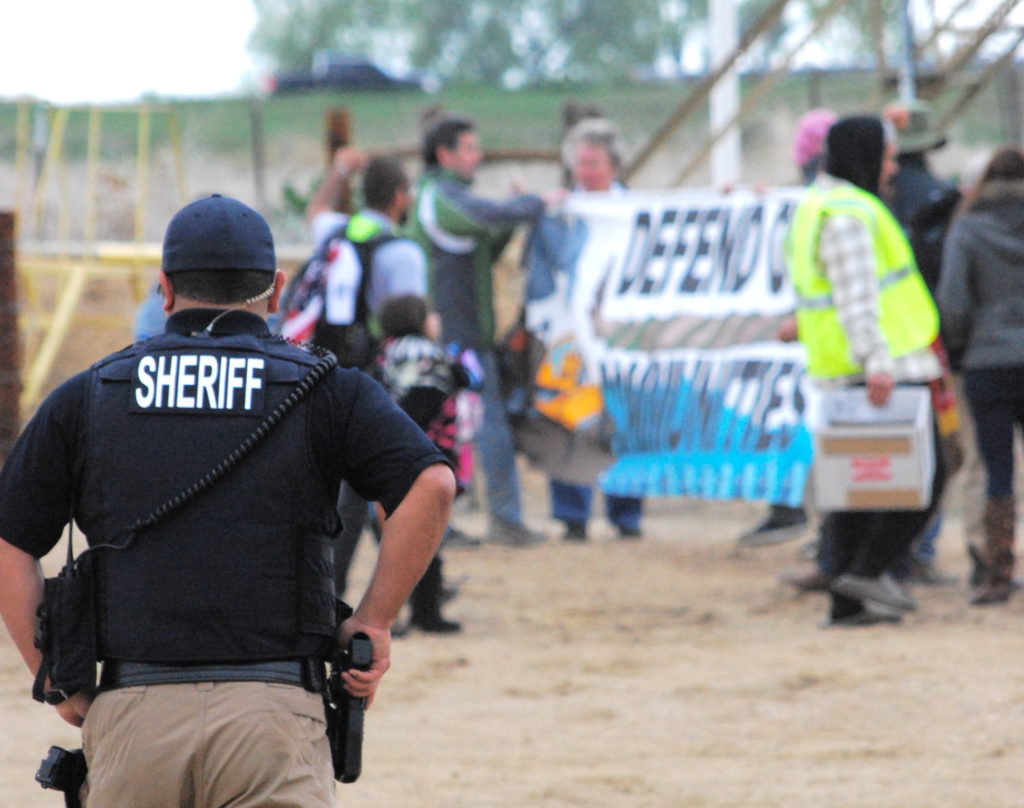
(355, 433)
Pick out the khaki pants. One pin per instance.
(244, 744)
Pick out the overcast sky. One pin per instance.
(116, 50)
(70, 51)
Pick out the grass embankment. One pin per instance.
(507, 119)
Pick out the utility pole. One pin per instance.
(726, 155)
(908, 71)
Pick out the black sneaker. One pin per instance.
(782, 524)
(870, 615)
(575, 531)
(882, 590)
(629, 533)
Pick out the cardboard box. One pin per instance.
(873, 458)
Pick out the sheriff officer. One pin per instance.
(213, 623)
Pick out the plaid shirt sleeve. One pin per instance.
(848, 256)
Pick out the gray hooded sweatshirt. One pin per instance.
(981, 287)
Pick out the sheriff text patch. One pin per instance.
(195, 382)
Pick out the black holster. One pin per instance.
(66, 631)
(64, 770)
(345, 712)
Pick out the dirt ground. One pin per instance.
(666, 673)
(673, 671)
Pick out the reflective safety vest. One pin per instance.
(907, 314)
(362, 228)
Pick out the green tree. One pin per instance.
(677, 19)
(506, 42)
(850, 33)
(466, 40)
(511, 42)
(605, 39)
(517, 41)
(289, 32)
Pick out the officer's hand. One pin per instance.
(74, 709)
(879, 388)
(364, 683)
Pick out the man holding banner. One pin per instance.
(463, 235)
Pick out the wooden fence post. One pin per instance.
(339, 134)
(10, 353)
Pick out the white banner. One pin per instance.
(664, 306)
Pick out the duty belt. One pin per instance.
(305, 673)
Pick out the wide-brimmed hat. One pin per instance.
(915, 123)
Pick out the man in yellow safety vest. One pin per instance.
(866, 318)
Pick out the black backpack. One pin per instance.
(304, 302)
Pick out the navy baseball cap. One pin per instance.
(218, 233)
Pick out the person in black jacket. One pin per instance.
(923, 204)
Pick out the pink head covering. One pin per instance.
(810, 134)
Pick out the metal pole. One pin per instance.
(91, 173)
(726, 157)
(21, 164)
(908, 77)
(50, 163)
(142, 173)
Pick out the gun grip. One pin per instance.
(348, 768)
(360, 652)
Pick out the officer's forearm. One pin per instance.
(409, 540)
(21, 590)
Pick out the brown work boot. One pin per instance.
(1000, 518)
(809, 579)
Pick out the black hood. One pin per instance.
(853, 151)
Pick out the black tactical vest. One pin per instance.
(244, 572)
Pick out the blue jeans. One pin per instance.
(572, 503)
(497, 451)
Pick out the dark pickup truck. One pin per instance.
(334, 72)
